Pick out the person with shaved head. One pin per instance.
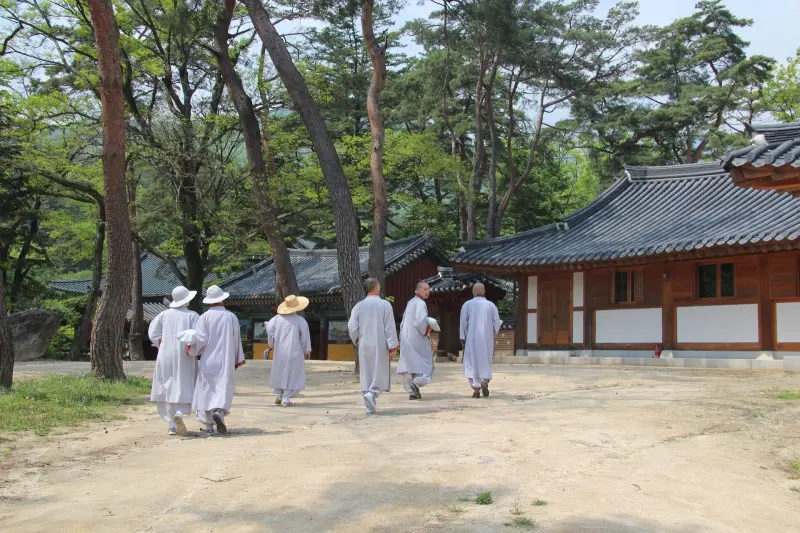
(480, 323)
(416, 355)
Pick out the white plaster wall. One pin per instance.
(533, 292)
(788, 321)
(577, 327)
(577, 289)
(533, 336)
(628, 326)
(718, 323)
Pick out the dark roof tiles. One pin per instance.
(649, 211)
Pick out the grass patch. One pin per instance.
(540, 503)
(484, 498)
(789, 395)
(454, 508)
(796, 465)
(523, 522)
(794, 489)
(40, 405)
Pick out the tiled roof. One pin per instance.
(782, 147)
(317, 271)
(151, 309)
(447, 281)
(649, 211)
(157, 279)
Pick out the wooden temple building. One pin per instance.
(674, 259)
(772, 162)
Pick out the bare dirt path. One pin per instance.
(608, 449)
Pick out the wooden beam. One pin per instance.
(521, 329)
(766, 314)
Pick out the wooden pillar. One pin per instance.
(668, 337)
(766, 311)
(521, 329)
(588, 314)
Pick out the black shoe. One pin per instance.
(485, 389)
(476, 393)
(416, 392)
(412, 397)
(221, 428)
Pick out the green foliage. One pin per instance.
(40, 405)
(71, 309)
(484, 498)
(789, 395)
(782, 92)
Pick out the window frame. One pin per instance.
(631, 295)
(718, 280)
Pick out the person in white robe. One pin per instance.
(372, 329)
(175, 372)
(480, 323)
(218, 345)
(290, 340)
(416, 355)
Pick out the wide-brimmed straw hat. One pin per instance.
(292, 304)
(181, 296)
(215, 295)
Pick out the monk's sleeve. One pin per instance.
(238, 347)
(463, 323)
(497, 321)
(353, 325)
(389, 327)
(200, 338)
(305, 337)
(420, 317)
(154, 331)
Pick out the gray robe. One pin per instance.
(372, 329)
(289, 336)
(480, 322)
(416, 355)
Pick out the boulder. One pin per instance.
(32, 332)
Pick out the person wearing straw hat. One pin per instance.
(218, 345)
(373, 331)
(290, 339)
(480, 323)
(174, 375)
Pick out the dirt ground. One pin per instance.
(608, 449)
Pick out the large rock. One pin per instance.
(32, 332)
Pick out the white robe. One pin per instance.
(373, 330)
(480, 322)
(218, 343)
(416, 355)
(291, 341)
(175, 372)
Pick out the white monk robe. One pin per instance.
(480, 322)
(373, 330)
(175, 373)
(218, 344)
(291, 341)
(416, 355)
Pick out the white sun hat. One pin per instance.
(181, 296)
(215, 295)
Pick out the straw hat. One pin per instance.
(292, 304)
(181, 296)
(215, 295)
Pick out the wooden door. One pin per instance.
(554, 310)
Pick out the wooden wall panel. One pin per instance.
(783, 276)
(598, 288)
(653, 276)
(682, 277)
(746, 277)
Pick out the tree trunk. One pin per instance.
(192, 249)
(107, 343)
(380, 204)
(20, 269)
(136, 332)
(81, 336)
(492, 222)
(471, 195)
(338, 189)
(6, 345)
(285, 282)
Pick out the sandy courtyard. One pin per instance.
(608, 449)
